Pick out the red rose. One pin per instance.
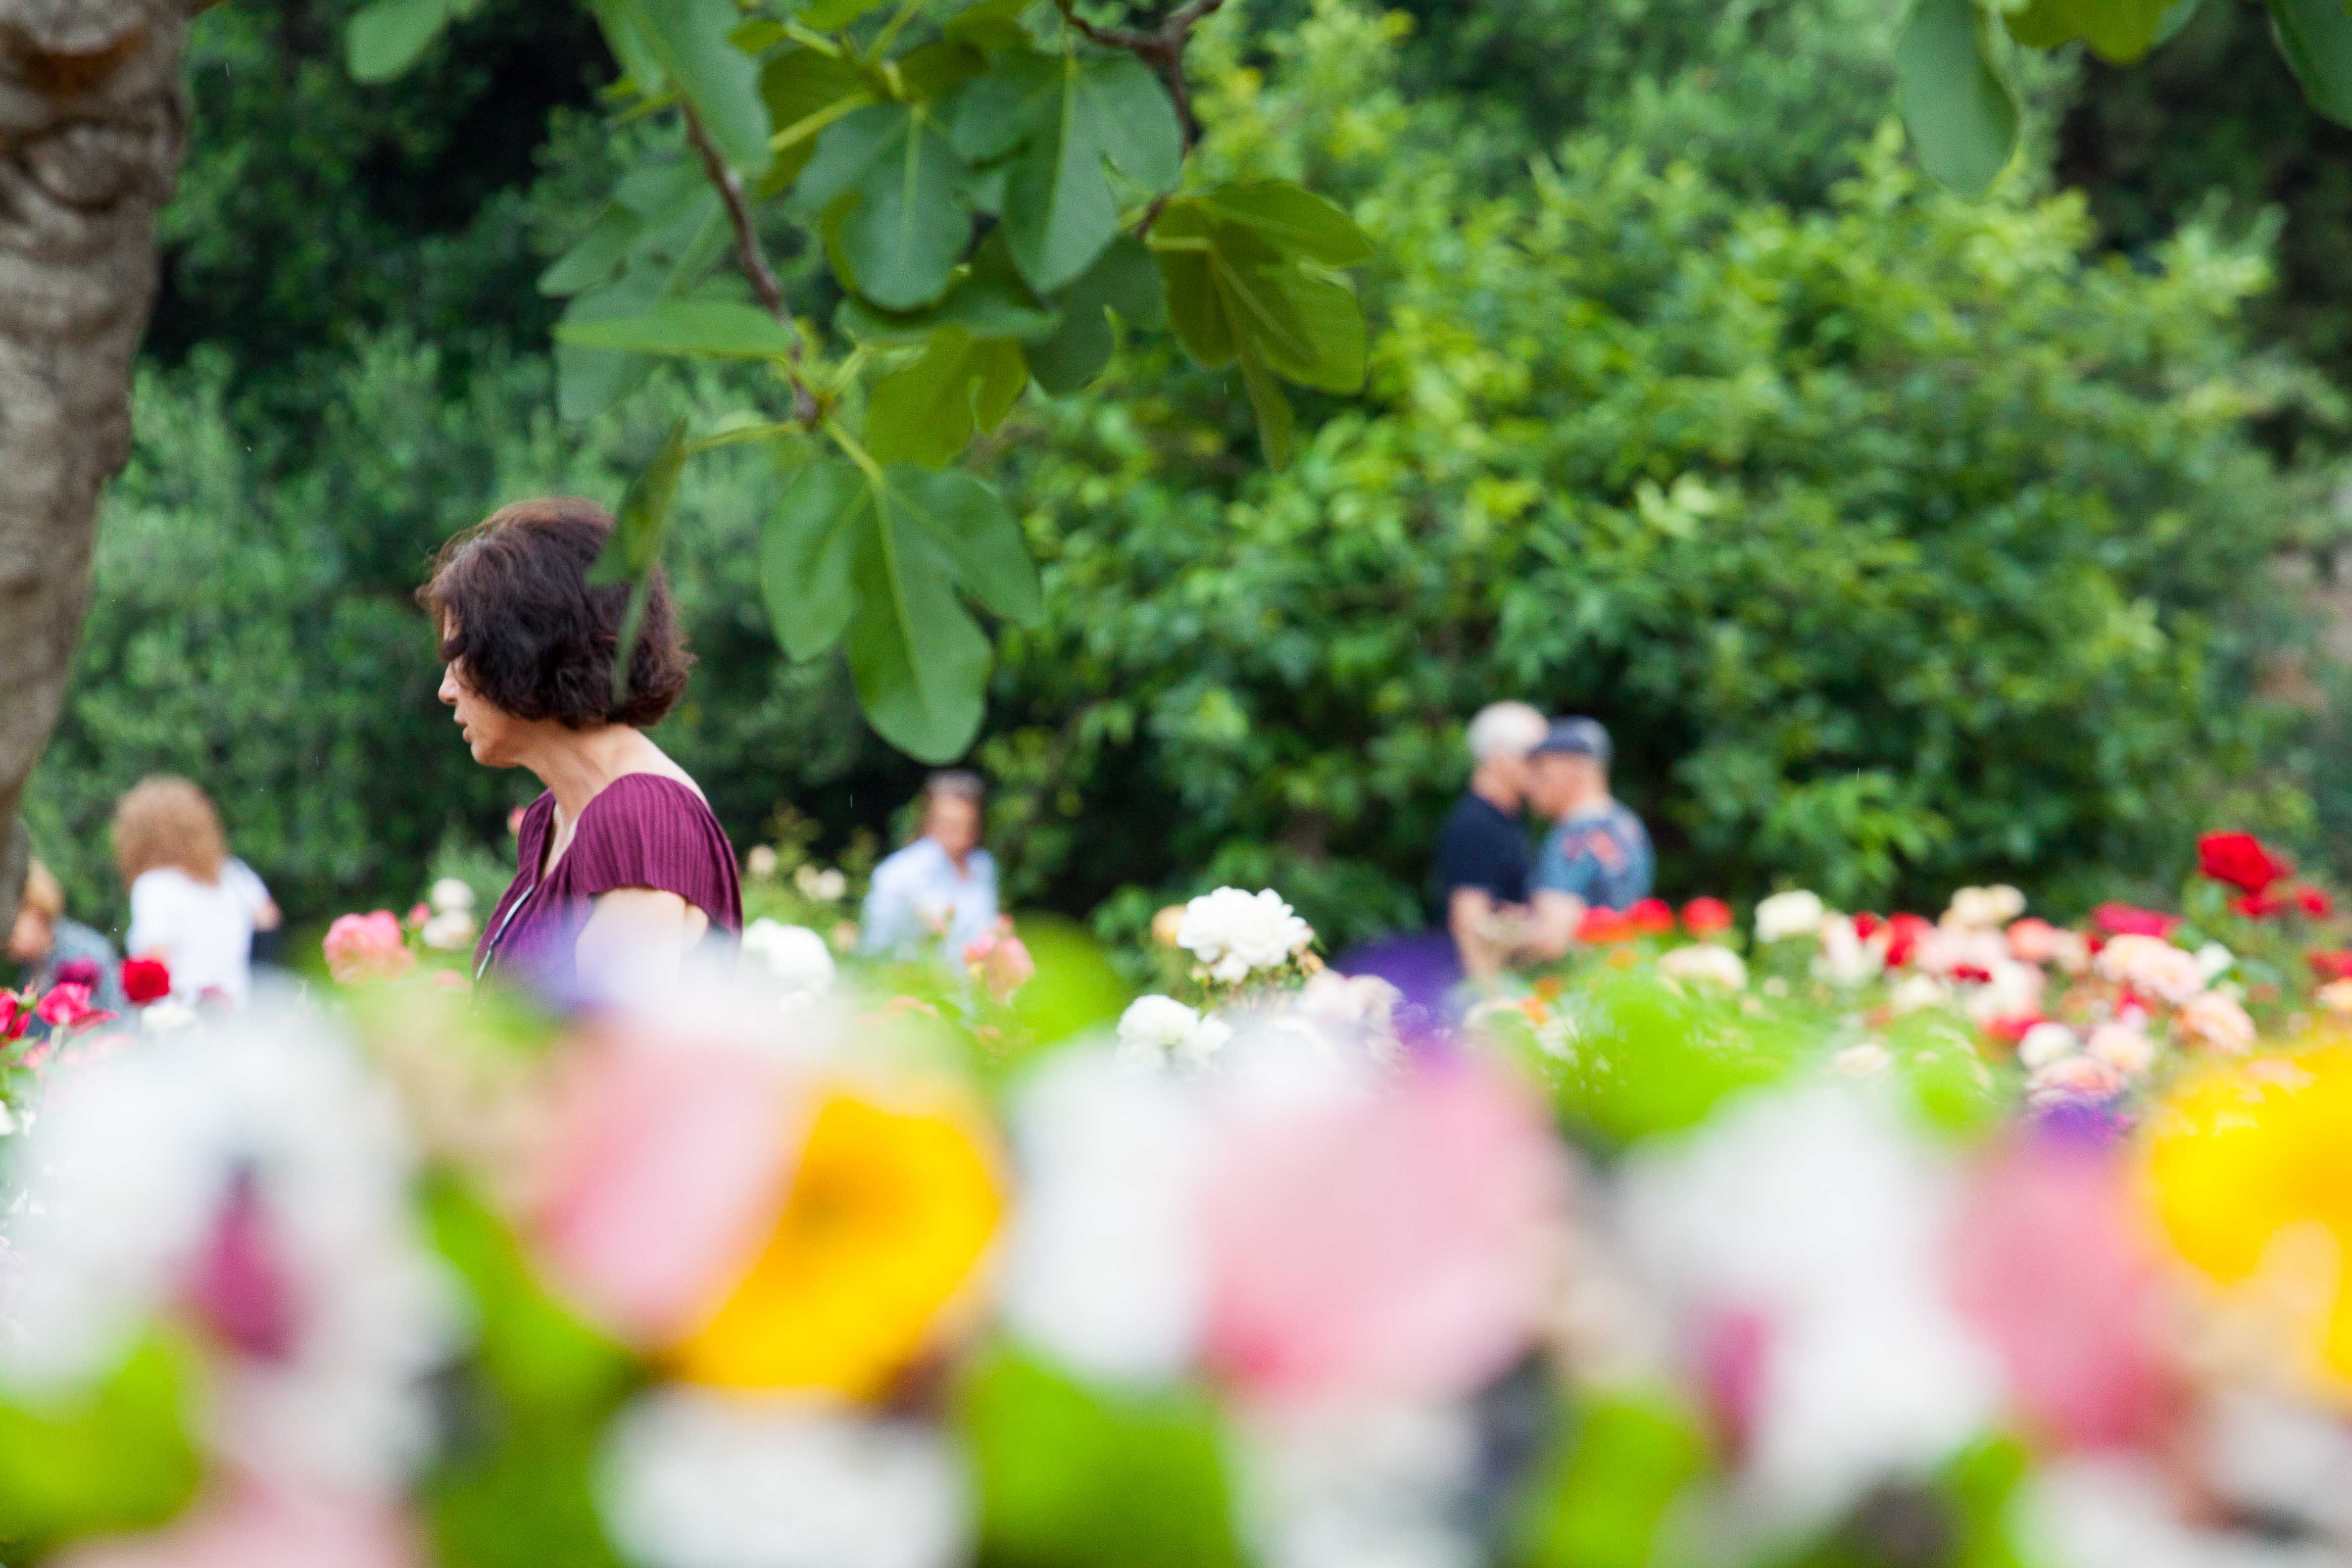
(1651, 917)
(2238, 859)
(2336, 965)
(1600, 926)
(145, 979)
(2128, 920)
(2010, 1031)
(2261, 906)
(1705, 917)
(1903, 934)
(2316, 903)
(16, 1016)
(1867, 925)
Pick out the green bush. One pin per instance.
(1900, 543)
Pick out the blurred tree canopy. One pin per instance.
(1900, 540)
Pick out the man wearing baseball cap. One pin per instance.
(1598, 854)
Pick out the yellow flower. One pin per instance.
(2249, 1172)
(888, 1213)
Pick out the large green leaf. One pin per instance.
(1068, 121)
(882, 554)
(1292, 218)
(1073, 1477)
(2316, 37)
(625, 35)
(2117, 30)
(723, 329)
(655, 216)
(824, 16)
(691, 39)
(988, 299)
(116, 1456)
(1226, 284)
(886, 180)
(1123, 280)
(806, 90)
(385, 36)
(806, 551)
(633, 550)
(589, 381)
(1954, 96)
(925, 412)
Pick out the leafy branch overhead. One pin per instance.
(1955, 83)
(997, 188)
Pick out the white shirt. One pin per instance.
(917, 891)
(202, 931)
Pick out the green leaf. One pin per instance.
(385, 36)
(806, 553)
(116, 1456)
(1600, 1501)
(2117, 30)
(1955, 99)
(979, 537)
(936, 70)
(1123, 280)
(600, 254)
(805, 91)
(926, 412)
(990, 24)
(2316, 37)
(530, 1347)
(1227, 283)
(690, 37)
(919, 662)
(1072, 119)
(988, 299)
(886, 181)
(635, 548)
(723, 329)
(625, 35)
(1271, 408)
(590, 381)
(881, 553)
(1293, 219)
(1073, 1477)
(826, 16)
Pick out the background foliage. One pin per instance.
(1900, 541)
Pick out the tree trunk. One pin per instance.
(91, 121)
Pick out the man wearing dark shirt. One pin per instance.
(1484, 858)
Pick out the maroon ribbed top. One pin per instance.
(642, 830)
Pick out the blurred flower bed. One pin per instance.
(1835, 1239)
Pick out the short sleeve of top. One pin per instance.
(1480, 846)
(1603, 857)
(642, 830)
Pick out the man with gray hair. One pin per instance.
(1483, 857)
(939, 893)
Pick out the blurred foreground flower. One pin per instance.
(758, 1225)
(795, 957)
(2249, 1166)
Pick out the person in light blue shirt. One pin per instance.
(1598, 854)
(938, 894)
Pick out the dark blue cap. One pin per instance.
(1576, 737)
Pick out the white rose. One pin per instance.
(1213, 1035)
(1914, 992)
(450, 896)
(1863, 1059)
(2154, 965)
(1234, 932)
(1978, 909)
(1845, 960)
(793, 955)
(1157, 1026)
(450, 931)
(1704, 963)
(2045, 1043)
(2013, 992)
(832, 885)
(1784, 915)
(761, 862)
(2214, 961)
(2215, 1020)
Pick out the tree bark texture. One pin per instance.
(92, 117)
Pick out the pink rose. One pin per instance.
(2047, 1260)
(67, 1006)
(367, 947)
(2210, 1018)
(1391, 1243)
(659, 1176)
(2033, 939)
(2075, 1078)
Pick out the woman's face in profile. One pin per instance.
(491, 733)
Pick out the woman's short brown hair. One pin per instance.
(167, 821)
(533, 639)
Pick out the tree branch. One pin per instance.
(752, 258)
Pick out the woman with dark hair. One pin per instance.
(622, 866)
